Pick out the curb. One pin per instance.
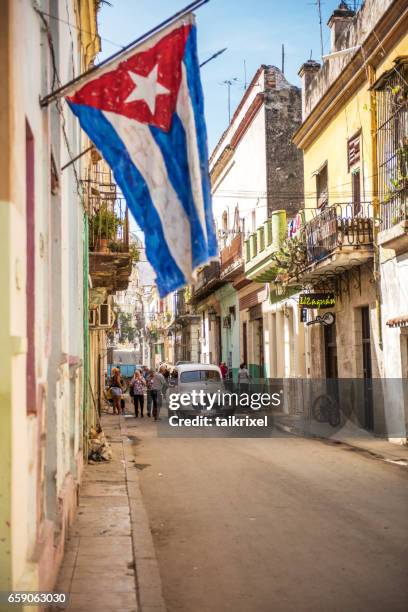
(148, 581)
(364, 451)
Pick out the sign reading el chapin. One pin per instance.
(317, 300)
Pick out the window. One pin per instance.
(356, 191)
(195, 376)
(322, 187)
(392, 138)
(353, 151)
(225, 221)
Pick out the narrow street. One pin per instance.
(204, 214)
(280, 524)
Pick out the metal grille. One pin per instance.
(392, 138)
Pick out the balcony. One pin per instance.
(339, 238)
(393, 232)
(259, 265)
(182, 306)
(208, 280)
(110, 258)
(183, 310)
(232, 263)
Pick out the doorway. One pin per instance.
(260, 343)
(245, 342)
(367, 369)
(330, 349)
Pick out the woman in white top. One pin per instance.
(243, 374)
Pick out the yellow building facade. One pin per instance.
(342, 137)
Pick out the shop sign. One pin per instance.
(317, 300)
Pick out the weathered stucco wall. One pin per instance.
(360, 26)
(44, 460)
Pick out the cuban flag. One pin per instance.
(144, 113)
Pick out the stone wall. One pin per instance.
(284, 162)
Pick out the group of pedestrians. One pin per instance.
(145, 381)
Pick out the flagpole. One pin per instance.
(60, 91)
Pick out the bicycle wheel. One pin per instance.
(334, 416)
(322, 408)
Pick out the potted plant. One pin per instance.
(103, 227)
(134, 253)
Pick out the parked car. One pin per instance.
(200, 377)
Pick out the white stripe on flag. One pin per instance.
(147, 157)
(186, 113)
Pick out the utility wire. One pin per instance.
(71, 25)
(56, 79)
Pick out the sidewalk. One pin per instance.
(110, 562)
(349, 435)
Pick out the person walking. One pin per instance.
(116, 389)
(224, 370)
(156, 384)
(138, 384)
(165, 371)
(243, 378)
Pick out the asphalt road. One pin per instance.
(281, 524)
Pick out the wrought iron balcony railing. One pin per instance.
(181, 307)
(231, 258)
(207, 275)
(108, 215)
(208, 279)
(395, 209)
(343, 226)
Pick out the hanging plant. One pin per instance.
(291, 258)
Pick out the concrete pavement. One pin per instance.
(110, 562)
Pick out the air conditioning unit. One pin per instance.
(105, 316)
(92, 318)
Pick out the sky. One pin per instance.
(252, 30)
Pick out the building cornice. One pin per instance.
(244, 98)
(389, 30)
(247, 119)
(220, 164)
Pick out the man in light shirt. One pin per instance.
(156, 385)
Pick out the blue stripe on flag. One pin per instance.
(173, 147)
(134, 188)
(197, 99)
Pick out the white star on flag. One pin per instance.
(146, 89)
